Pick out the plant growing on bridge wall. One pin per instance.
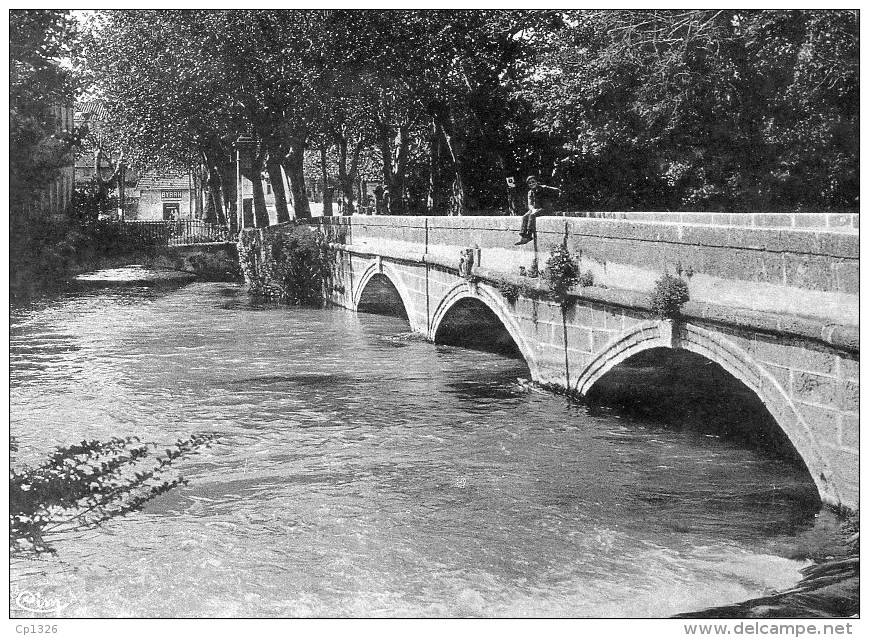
(669, 295)
(247, 261)
(561, 274)
(296, 267)
(511, 292)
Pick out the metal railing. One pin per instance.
(175, 232)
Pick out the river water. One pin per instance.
(361, 472)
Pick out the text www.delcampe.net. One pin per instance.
(757, 628)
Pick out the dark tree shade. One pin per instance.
(38, 40)
(705, 109)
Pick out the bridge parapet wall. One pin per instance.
(840, 222)
(811, 272)
(755, 268)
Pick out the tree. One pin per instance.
(39, 39)
(811, 60)
(702, 108)
(272, 60)
(433, 89)
(482, 56)
(168, 102)
(425, 91)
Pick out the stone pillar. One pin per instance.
(245, 147)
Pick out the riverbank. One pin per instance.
(829, 589)
(206, 262)
(34, 280)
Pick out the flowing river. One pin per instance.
(362, 472)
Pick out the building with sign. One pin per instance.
(166, 196)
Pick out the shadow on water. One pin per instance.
(683, 390)
(496, 390)
(305, 380)
(245, 302)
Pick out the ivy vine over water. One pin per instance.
(85, 484)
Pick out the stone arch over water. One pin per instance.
(717, 349)
(478, 306)
(381, 291)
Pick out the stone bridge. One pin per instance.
(773, 301)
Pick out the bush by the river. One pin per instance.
(291, 264)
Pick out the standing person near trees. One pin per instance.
(538, 204)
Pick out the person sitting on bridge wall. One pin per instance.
(538, 204)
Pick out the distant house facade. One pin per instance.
(165, 196)
(54, 198)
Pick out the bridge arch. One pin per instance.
(493, 300)
(381, 269)
(740, 365)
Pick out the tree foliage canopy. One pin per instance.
(639, 109)
(705, 109)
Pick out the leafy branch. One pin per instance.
(83, 485)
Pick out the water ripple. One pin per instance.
(357, 479)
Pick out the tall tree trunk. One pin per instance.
(226, 175)
(214, 212)
(260, 212)
(97, 174)
(277, 179)
(434, 200)
(394, 169)
(327, 196)
(294, 166)
(386, 154)
(351, 177)
(455, 147)
(345, 177)
(400, 173)
(210, 208)
(197, 192)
